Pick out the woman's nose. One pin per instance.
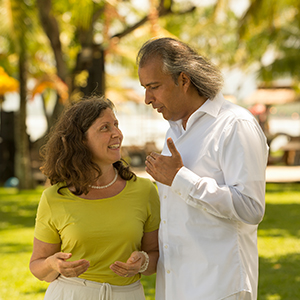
(117, 133)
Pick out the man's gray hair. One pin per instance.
(178, 57)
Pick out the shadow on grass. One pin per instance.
(18, 208)
(279, 280)
(16, 214)
(273, 188)
(12, 248)
(281, 220)
(41, 291)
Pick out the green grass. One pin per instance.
(278, 243)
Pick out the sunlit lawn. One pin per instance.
(279, 246)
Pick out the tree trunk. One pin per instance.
(51, 28)
(23, 169)
(7, 146)
(93, 63)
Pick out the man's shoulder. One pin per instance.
(235, 112)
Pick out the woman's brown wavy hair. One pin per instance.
(65, 156)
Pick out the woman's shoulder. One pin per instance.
(142, 181)
(53, 189)
(143, 185)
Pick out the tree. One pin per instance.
(7, 151)
(275, 27)
(92, 33)
(86, 20)
(81, 38)
(20, 23)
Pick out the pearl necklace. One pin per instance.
(99, 187)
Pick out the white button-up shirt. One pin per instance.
(209, 216)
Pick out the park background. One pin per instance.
(54, 52)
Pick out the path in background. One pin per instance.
(283, 174)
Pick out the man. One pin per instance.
(211, 178)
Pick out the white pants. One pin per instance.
(73, 288)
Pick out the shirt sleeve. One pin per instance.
(45, 230)
(153, 210)
(243, 156)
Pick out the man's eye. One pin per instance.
(154, 87)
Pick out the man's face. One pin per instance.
(162, 92)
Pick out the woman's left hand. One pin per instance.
(131, 267)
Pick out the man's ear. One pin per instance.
(184, 80)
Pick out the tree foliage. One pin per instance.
(269, 32)
(74, 47)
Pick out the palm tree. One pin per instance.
(93, 36)
(272, 28)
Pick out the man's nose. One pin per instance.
(148, 97)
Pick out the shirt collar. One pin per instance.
(210, 107)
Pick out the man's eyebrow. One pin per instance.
(151, 83)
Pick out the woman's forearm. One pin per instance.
(42, 270)
(153, 257)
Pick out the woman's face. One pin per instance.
(104, 139)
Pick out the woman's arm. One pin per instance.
(150, 246)
(47, 262)
(137, 259)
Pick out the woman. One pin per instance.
(96, 226)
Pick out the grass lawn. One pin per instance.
(278, 243)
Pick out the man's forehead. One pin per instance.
(148, 58)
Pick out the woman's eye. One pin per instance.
(103, 128)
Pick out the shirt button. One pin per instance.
(166, 246)
(179, 194)
(164, 221)
(168, 271)
(165, 196)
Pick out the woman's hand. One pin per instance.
(131, 267)
(67, 268)
(47, 262)
(137, 259)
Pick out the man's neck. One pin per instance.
(196, 103)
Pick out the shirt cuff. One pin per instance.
(184, 181)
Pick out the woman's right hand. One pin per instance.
(47, 262)
(59, 263)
